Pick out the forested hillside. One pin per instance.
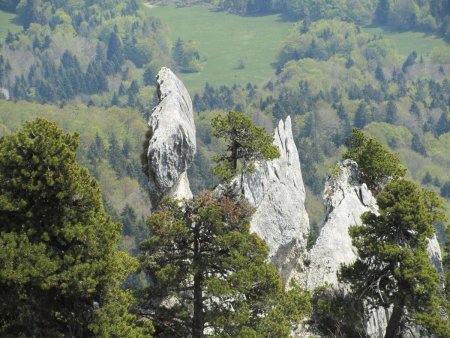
(102, 52)
(110, 147)
(430, 15)
(329, 75)
(333, 76)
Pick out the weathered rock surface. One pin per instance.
(346, 199)
(5, 93)
(277, 192)
(172, 140)
(434, 252)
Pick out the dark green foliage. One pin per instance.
(377, 165)
(8, 5)
(409, 61)
(393, 267)
(391, 112)
(115, 51)
(361, 116)
(186, 56)
(203, 256)
(379, 74)
(382, 12)
(445, 190)
(119, 28)
(443, 124)
(60, 273)
(245, 143)
(417, 145)
(427, 178)
(336, 313)
(307, 10)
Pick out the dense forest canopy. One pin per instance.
(430, 15)
(90, 50)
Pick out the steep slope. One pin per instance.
(172, 144)
(277, 192)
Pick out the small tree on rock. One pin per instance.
(245, 144)
(377, 165)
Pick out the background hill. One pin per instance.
(378, 65)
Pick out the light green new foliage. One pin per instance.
(393, 267)
(245, 143)
(60, 273)
(215, 272)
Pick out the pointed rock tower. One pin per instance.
(277, 192)
(172, 144)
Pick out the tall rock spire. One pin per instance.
(172, 143)
(277, 192)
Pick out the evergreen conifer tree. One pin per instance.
(393, 268)
(210, 273)
(60, 273)
(245, 143)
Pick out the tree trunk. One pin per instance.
(197, 319)
(234, 155)
(393, 327)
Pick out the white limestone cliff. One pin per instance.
(172, 142)
(346, 199)
(277, 192)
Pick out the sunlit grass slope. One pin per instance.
(7, 23)
(224, 39)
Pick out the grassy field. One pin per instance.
(7, 23)
(406, 42)
(224, 39)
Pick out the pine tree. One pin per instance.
(361, 116)
(60, 273)
(427, 178)
(391, 112)
(417, 145)
(377, 165)
(245, 143)
(382, 12)
(209, 271)
(443, 124)
(393, 268)
(115, 52)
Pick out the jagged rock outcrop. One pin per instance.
(346, 199)
(172, 143)
(277, 192)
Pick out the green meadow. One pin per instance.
(406, 42)
(223, 40)
(7, 23)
